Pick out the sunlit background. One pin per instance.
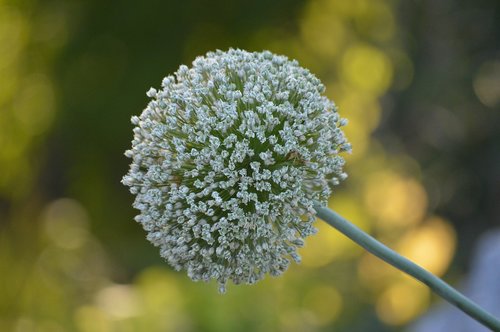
(419, 82)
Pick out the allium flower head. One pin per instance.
(227, 160)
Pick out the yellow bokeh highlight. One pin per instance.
(374, 18)
(366, 68)
(360, 140)
(325, 34)
(363, 113)
(344, 9)
(322, 248)
(34, 104)
(329, 244)
(9, 81)
(14, 33)
(487, 83)
(361, 110)
(159, 289)
(92, 319)
(66, 223)
(402, 302)
(349, 208)
(25, 324)
(374, 273)
(119, 301)
(395, 200)
(430, 245)
(325, 304)
(295, 320)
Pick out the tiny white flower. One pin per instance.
(227, 160)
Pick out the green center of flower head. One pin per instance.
(227, 161)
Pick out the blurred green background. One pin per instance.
(419, 81)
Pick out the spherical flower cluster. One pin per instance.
(228, 159)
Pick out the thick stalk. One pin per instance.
(390, 256)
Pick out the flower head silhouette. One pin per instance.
(228, 159)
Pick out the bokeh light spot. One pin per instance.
(430, 245)
(322, 248)
(92, 319)
(328, 243)
(366, 68)
(160, 292)
(34, 106)
(374, 273)
(394, 200)
(323, 32)
(13, 35)
(118, 301)
(402, 302)
(487, 83)
(65, 223)
(375, 19)
(325, 304)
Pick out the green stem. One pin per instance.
(390, 256)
